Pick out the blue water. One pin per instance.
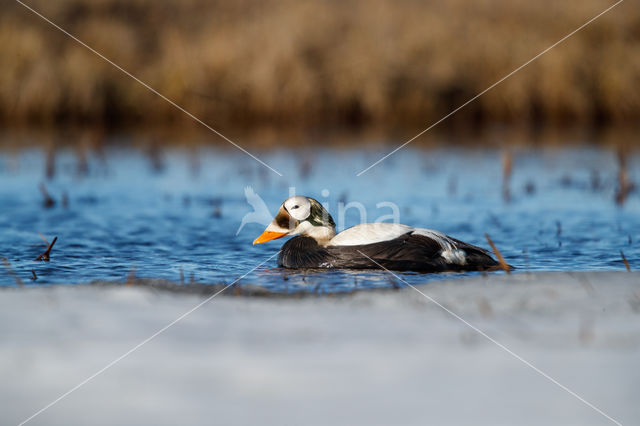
(174, 215)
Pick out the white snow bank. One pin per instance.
(374, 358)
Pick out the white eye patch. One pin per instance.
(298, 207)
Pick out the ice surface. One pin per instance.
(373, 357)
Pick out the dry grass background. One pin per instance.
(316, 62)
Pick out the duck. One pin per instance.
(382, 245)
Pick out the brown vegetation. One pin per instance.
(503, 264)
(45, 256)
(319, 62)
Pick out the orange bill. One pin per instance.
(268, 236)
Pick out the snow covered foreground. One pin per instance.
(371, 358)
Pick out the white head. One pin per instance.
(300, 215)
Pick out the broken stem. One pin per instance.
(45, 256)
(501, 260)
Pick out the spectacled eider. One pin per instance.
(391, 245)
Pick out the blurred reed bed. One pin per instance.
(315, 62)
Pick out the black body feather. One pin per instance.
(408, 252)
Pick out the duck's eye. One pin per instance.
(295, 207)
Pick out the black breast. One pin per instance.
(303, 252)
(408, 252)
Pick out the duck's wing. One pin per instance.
(406, 252)
(471, 250)
(410, 251)
(413, 252)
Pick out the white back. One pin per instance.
(368, 233)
